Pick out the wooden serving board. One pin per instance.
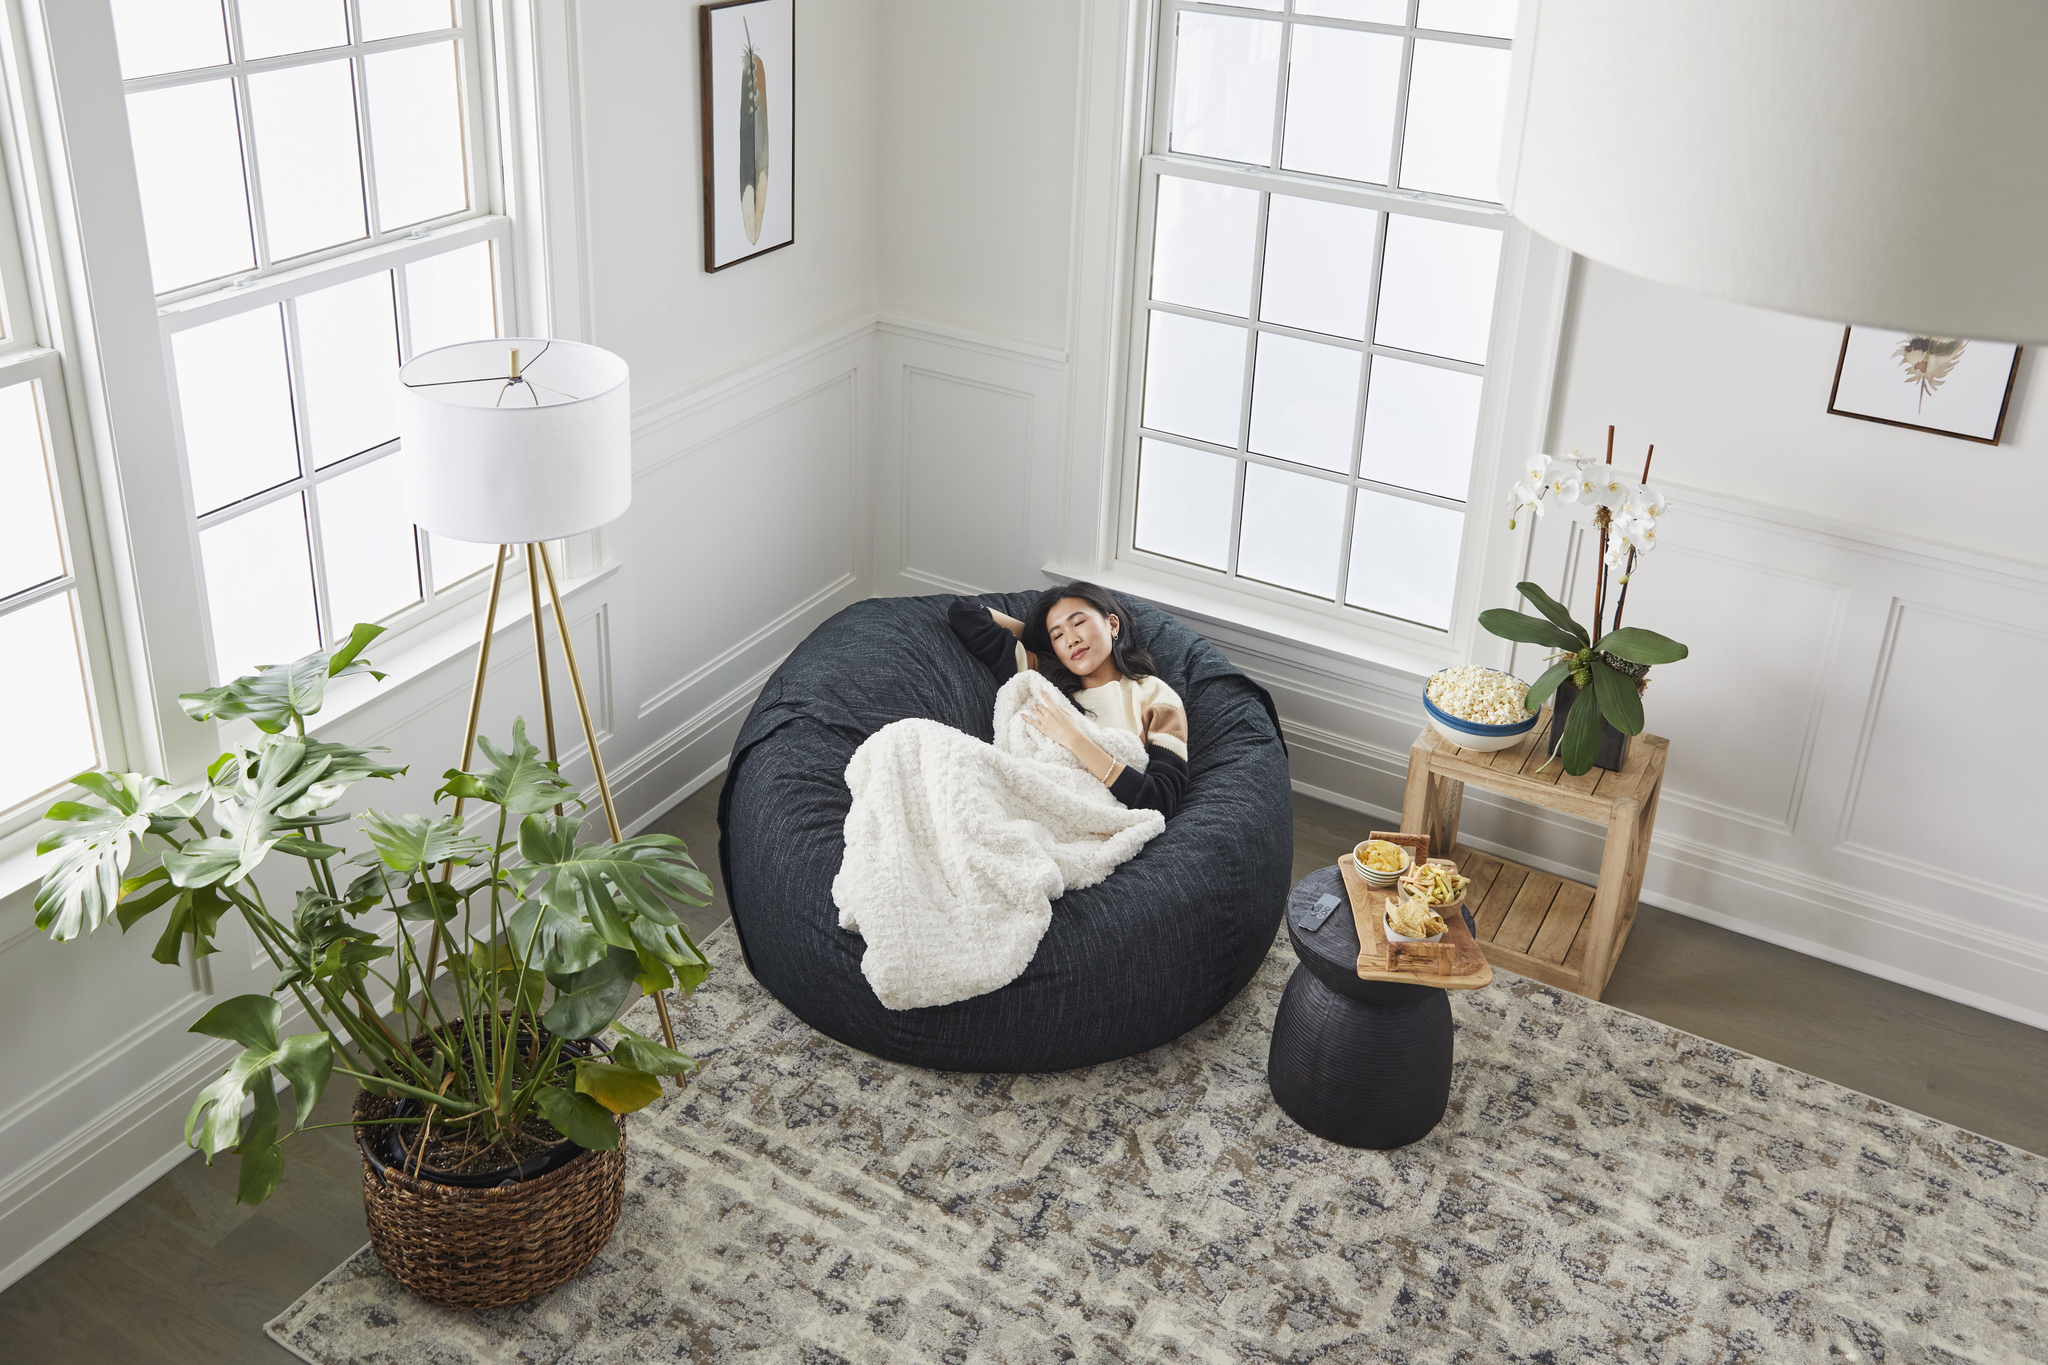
(1454, 964)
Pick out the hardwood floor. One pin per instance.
(181, 1273)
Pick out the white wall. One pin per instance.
(754, 402)
(649, 296)
(1736, 398)
(977, 130)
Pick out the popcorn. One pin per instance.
(1479, 695)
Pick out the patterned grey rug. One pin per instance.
(1604, 1188)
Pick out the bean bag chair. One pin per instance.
(1128, 964)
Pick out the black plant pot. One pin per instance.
(1613, 743)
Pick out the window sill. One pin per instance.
(1248, 617)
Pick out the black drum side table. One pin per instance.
(1362, 1063)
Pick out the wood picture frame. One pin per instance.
(1899, 378)
(747, 77)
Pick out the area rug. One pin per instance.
(1604, 1188)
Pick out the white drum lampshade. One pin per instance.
(1867, 161)
(505, 454)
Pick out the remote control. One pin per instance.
(1310, 918)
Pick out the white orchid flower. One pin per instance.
(1537, 471)
(1523, 495)
(1612, 488)
(1617, 550)
(1640, 536)
(1649, 503)
(1566, 482)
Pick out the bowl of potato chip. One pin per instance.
(1412, 920)
(1381, 862)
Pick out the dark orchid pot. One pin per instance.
(1613, 751)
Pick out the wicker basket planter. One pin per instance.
(487, 1248)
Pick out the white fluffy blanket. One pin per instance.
(955, 849)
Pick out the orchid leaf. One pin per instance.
(1554, 610)
(1542, 689)
(1510, 624)
(1642, 646)
(1581, 744)
(1620, 704)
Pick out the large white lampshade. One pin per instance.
(500, 460)
(1866, 161)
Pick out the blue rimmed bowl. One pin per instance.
(1468, 735)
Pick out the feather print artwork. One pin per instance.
(1927, 361)
(753, 140)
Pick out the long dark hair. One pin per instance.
(1130, 658)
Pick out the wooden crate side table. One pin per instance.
(1554, 931)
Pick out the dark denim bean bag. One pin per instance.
(1128, 964)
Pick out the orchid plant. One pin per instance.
(543, 937)
(1606, 666)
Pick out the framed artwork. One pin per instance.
(1945, 385)
(748, 49)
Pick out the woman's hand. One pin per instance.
(1055, 724)
(1058, 725)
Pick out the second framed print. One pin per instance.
(748, 49)
(1946, 385)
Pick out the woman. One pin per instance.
(1075, 636)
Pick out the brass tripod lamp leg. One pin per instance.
(476, 704)
(604, 786)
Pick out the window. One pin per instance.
(1319, 253)
(50, 637)
(312, 196)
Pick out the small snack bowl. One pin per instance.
(1471, 735)
(1375, 878)
(1436, 882)
(1395, 936)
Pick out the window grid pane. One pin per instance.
(287, 432)
(244, 170)
(1333, 490)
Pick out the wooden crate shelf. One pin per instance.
(1560, 932)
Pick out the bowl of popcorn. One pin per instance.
(1380, 862)
(1478, 708)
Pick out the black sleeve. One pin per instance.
(1158, 788)
(985, 640)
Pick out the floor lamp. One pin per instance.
(514, 443)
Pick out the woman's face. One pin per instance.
(1081, 636)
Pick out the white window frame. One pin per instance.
(32, 351)
(1527, 322)
(272, 284)
(89, 261)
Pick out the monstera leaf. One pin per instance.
(271, 779)
(346, 766)
(279, 695)
(622, 891)
(215, 1123)
(89, 850)
(519, 780)
(411, 843)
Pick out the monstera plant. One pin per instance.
(543, 936)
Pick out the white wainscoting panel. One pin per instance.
(968, 452)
